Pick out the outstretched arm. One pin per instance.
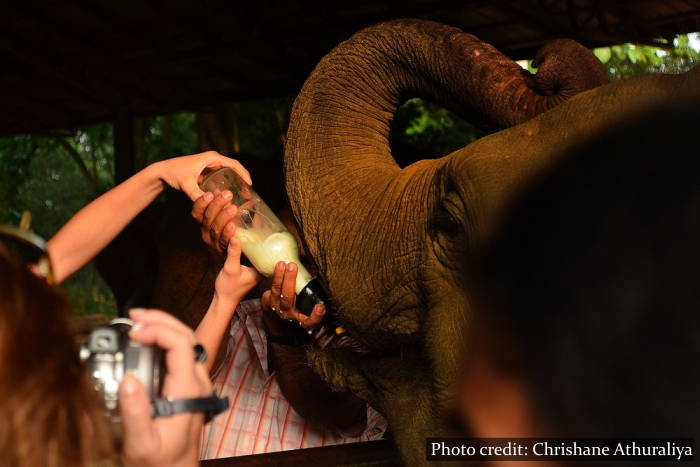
(95, 225)
(233, 282)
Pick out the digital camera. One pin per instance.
(109, 354)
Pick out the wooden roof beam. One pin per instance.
(39, 65)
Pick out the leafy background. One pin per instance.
(53, 175)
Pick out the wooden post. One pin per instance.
(124, 162)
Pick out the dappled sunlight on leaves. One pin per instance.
(422, 129)
(627, 60)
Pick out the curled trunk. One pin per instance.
(339, 167)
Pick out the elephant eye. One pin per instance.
(444, 222)
(448, 221)
(448, 233)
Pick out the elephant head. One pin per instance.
(389, 242)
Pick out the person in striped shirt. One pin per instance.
(277, 401)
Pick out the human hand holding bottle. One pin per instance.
(279, 302)
(183, 173)
(216, 215)
(92, 228)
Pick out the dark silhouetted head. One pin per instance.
(590, 295)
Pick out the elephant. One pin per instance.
(390, 243)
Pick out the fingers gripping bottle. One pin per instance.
(264, 239)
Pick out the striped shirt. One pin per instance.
(259, 418)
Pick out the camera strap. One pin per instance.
(211, 406)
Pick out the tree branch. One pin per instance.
(75, 155)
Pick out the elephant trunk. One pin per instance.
(337, 152)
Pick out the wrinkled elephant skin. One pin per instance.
(389, 242)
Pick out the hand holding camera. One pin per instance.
(163, 389)
(166, 440)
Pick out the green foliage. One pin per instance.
(15, 155)
(421, 129)
(157, 138)
(52, 177)
(262, 125)
(626, 60)
(51, 174)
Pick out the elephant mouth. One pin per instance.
(327, 338)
